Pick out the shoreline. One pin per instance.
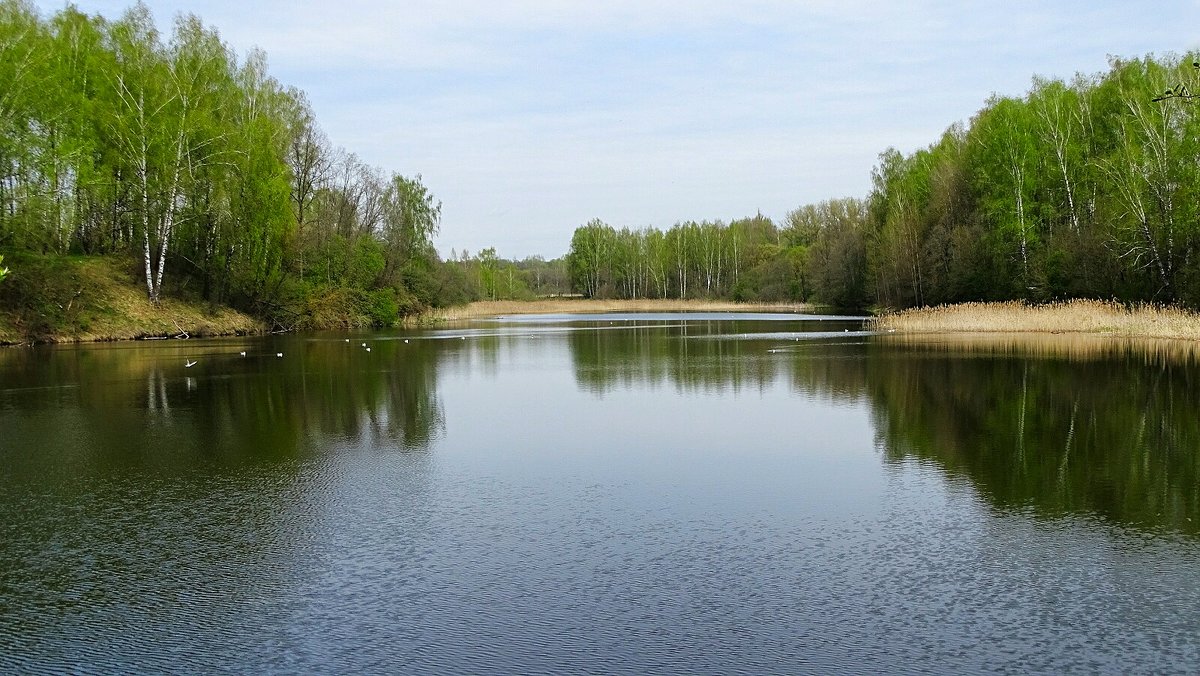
(130, 321)
(133, 319)
(1094, 317)
(181, 325)
(492, 308)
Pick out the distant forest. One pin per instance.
(210, 180)
(1088, 188)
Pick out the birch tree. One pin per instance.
(1005, 161)
(1060, 124)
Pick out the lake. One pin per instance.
(621, 494)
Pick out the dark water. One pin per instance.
(619, 494)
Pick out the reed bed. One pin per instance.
(1078, 347)
(494, 308)
(1074, 316)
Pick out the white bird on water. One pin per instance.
(278, 354)
(243, 353)
(187, 363)
(368, 349)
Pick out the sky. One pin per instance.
(529, 118)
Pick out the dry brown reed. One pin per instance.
(1074, 316)
(1069, 346)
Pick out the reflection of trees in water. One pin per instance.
(136, 406)
(108, 482)
(1079, 427)
(1116, 436)
(697, 357)
(390, 396)
(1058, 424)
(691, 358)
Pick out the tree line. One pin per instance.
(747, 259)
(1080, 188)
(211, 179)
(205, 173)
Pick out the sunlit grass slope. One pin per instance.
(92, 298)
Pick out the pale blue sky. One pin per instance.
(530, 118)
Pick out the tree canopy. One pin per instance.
(213, 179)
(1080, 188)
(194, 161)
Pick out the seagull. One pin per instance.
(347, 340)
(368, 349)
(364, 344)
(406, 340)
(243, 353)
(278, 354)
(188, 364)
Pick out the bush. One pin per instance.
(48, 297)
(334, 308)
(454, 286)
(382, 307)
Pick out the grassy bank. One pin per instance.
(1076, 316)
(86, 298)
(492, 308)
(77, 299)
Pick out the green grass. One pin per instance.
(88, 298)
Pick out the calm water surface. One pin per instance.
(651, 493)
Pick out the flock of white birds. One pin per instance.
(189, 362)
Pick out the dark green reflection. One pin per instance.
(101, 408)
(694, 355)
(1060, 424)
(1114, 434)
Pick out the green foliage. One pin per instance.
(200, 166)
(453, 285)
(589, 259)
(216, 180)
(340, 308)
(365, 263)
(691, 259)
(1081, 188)
(489, 272)
(382, 307)
(542, 277)
(1086, 188)
(410, 219)
(748, 259)
(49, 298)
